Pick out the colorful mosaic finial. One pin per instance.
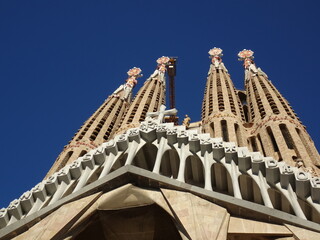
(162, 63)
(215, 55)
(133, 74)
(215, 52)
(246, 56)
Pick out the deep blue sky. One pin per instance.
(60, 59)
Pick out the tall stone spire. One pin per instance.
(222, 112)
(148, 99)
(101, 125)
(276, 131)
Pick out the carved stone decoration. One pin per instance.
(38, 187)
(14, 204)
(217, 144)
(162, 63)
(14, 209)
(286, 169)
(161, 128)
(110, 143)
(271, 163)
(3, 212)
(133, 132)
(159, 116)
(4, 218)
(186, 121)
(26, 196)
(172, 131)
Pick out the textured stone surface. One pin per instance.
(244, 226)
(130, 196)
(303, 234)
(200, 218)
(53, 224)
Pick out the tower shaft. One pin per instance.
(222, 112)
(148, 99)
(276, 130)
(100, 126)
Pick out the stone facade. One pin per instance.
(247, 170)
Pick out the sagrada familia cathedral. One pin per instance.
(247, 170)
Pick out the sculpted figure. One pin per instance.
(186, 121)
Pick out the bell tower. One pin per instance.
(148, 99)
(276, 130)
(222, 112)
(101, 125)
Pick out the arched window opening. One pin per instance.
(249, 189)
(305, 143)
(224, 131)
(238, 135)
(308, 211)
(212, 130)
(261, 144)
(273, 140)
(254, 144)
(287, 136)
(279, 201)
(65, 160)
(246, 114)
(194, 172)
(83, 152)
(221, 179)
(120, 162)
(170, 164)
(146, 157)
